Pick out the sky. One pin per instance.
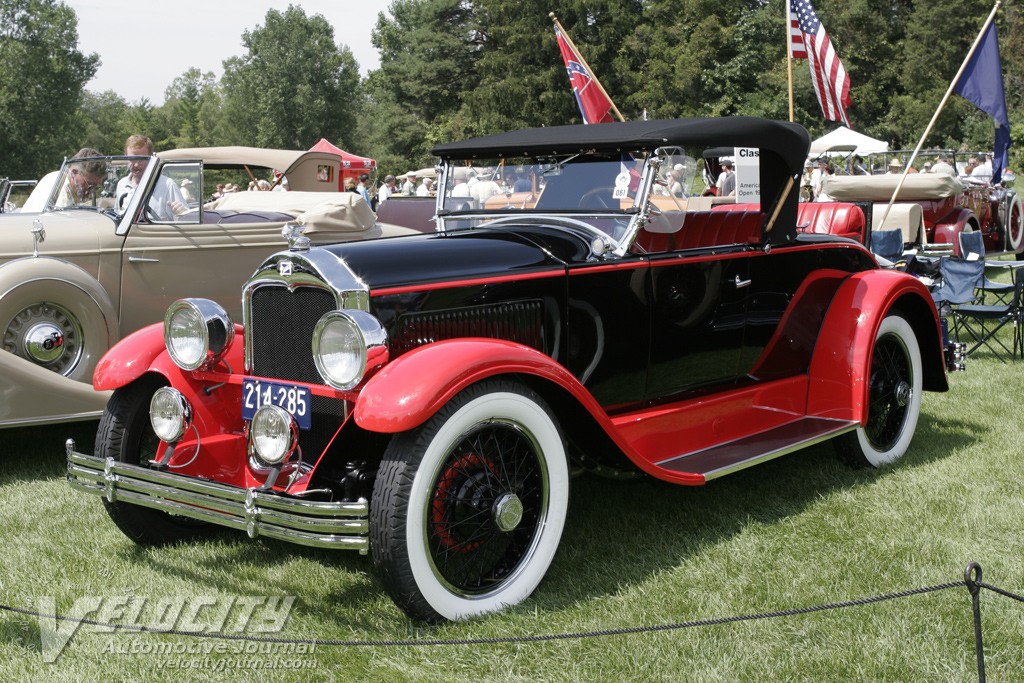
(143, 47)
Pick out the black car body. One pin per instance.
(425, 398)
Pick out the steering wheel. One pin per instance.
(151, 214)
(598, 198)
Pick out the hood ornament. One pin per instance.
(296, 240)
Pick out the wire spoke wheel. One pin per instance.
(468, 508)
(486, 506)
(893, 404)
(890, 392)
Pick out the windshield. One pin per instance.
(90, 183)
(598, 188)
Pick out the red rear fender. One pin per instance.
(841, 364)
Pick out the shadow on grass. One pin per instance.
(620, 533)
(33, 453)
(617, 534)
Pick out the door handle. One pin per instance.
(140, 259)
(740, 283)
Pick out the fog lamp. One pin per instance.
(273, 434)
(170, 413)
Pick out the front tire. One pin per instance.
(468, 508)
(126, 435)
(894, 398)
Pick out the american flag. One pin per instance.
(593, 102)
(809, 40)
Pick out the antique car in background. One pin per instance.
(426, 399)
(85, 272)
(950, 203)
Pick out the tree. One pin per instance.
(428, 54)
(293, 86)
(44, 76)
(194, 102)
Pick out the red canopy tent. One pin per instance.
(351, 165)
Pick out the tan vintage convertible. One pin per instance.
(100, 262)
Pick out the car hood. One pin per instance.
(428, 259)
(67, 233)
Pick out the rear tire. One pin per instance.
(468, 508)
(894, 398)
(126, 435)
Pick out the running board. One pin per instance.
(733, 456)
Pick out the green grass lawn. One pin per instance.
(799, 531)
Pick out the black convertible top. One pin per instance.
(789, 140)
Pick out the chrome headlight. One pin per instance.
(273, 434)
(197, 333)
(346, 344)
(170, 413)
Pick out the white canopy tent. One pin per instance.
(843, 140)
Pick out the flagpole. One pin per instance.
(585, 65)
(789, 55)
(981, 34)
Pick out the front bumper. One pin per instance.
(321, 524)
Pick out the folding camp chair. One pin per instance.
(972, 247)
(887, 246)
(983, 322)
(958, 285)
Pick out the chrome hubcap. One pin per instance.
(508, 512)
(902, 393)
(44, 343)
(46, 334)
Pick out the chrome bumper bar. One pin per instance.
(259, 513)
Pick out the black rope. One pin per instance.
(511, 639)
(1002, 592)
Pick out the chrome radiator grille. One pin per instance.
(280, 330)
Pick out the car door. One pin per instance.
(166, 260)
(698, 308)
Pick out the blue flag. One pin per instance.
(982, 83)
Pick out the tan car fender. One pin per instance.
(29, 282)
(31, 395)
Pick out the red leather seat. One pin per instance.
(706, 229)
(831, 218)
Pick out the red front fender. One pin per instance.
(133, 356)
(412, 388)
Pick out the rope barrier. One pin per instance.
(972, 580)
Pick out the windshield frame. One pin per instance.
(579, 221)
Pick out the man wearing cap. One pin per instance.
(460, 188)
(409, 186)
(387, 189)
(942, 166)
(727, 179)
(927, 167)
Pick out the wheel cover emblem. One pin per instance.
(508, 512)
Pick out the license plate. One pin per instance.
(294, 399)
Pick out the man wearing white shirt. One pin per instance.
(166, 200)
(983, 171)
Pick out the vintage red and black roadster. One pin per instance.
(427, 399)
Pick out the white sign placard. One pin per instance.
(748, 174)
